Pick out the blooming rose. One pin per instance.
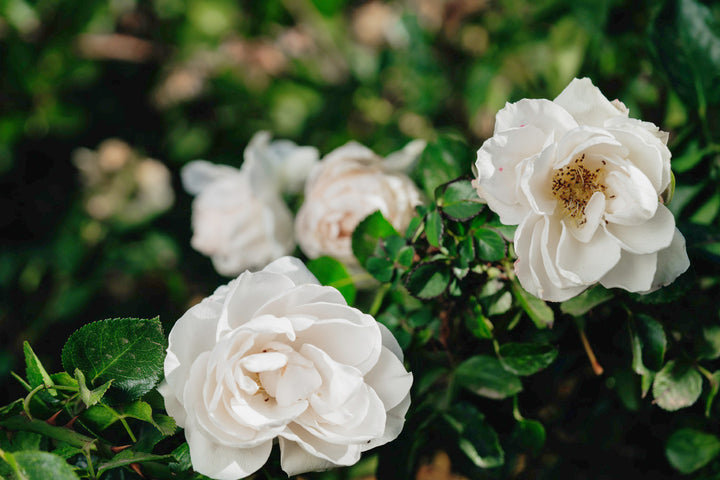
(348, 184)
(275, 355)
(583, 182)
(239, 217)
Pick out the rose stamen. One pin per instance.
(574, 185)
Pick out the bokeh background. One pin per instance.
(102, 103)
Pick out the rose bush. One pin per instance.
(274, 355)
(239, 217)
(584, 183)
(347, 185)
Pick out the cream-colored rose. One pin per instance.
(584, 183)
(348, 184)
(274, 357)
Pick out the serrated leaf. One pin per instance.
(36, 373)
(428, 280)
(459, 200)
(434, 228)
(333, 273)
(485, 376)
(368, 233)
(677, 385)
(29, 465)
(586, 301)
(526, 358)
(491, 246)
(538, 311)
(128, 351)
(688, 450)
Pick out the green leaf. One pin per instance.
(677, 385)
(652, 341)
(434, 228)
(428, 280)
(586, 301)
(538, 311)
(332, 273)
(442, 161)
(714, 387)
(530, 435)
(709, 348)
(35, 371)
(367, 235)
(459, 200)
(101, 415)
(688, 450)
(478, 440)
(128, 351)
(90, 397)
(491, 246)
(29, 465)
(685, 37)
(526, 358)
(62, 434)
(126, 457)
(182, 455)
(485, 376)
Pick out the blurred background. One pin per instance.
(102, 102)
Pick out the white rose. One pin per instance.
(275, 356)
(348, 184)
(583, 182)
(235, 221)
(239, 217)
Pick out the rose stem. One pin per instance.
(597, 368)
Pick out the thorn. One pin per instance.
(120, 448)
(136, 468)
(71, 422)
(52, 420)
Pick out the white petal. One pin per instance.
(191, 335)
(250, 292)
(549, 117)
(633, 272)
(304, 299)
(263, 362)
(594, 211)
(197, 175)
(172, 404)
(395, 421)
(294, 269)
(389, 379)
(224, 463)
(389, 342)
(404, 159)
(309, 454)
(535, 176)
(671, 262)
(297, 381)
(651, 236)
(595, 143)
(586, 103)
(631, 197)
(586, 263)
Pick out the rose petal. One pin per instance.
(389, 379)
(586, 103)
(651, 236)
(300, 452)
(671, 262)
(586, 263)
(198, 175)
(294, 269)
(395, 420)
(390, 342)
(221, 462)
(594, 211)
(633, 272)
(263, 362)
(172, 404)
(550, 118)
(632, 200)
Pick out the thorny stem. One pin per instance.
(597, 368)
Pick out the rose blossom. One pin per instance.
(239, 216)
(584, 183)
(347, 185)
(275, 356)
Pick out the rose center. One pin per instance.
(574, 185)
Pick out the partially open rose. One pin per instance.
(348, 184)
(584, 183)
(275, 357)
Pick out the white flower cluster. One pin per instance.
(240, 218)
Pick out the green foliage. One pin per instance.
(128, 352)
(486, 376)
(333, 273)
(677, 385)
(688, 450)
(29, 465)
